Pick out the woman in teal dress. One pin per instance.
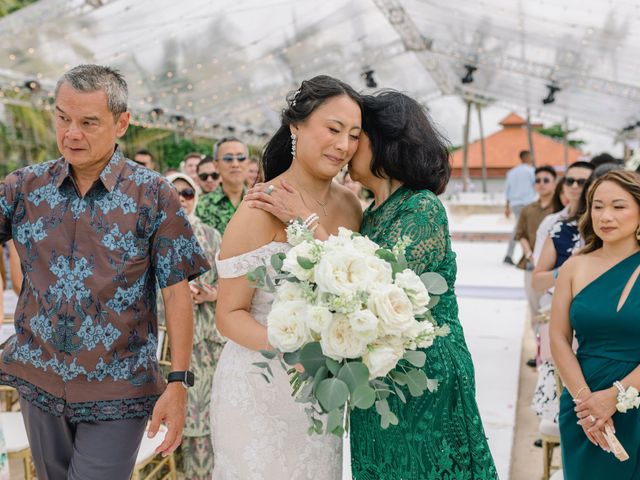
(597, 296)
(405, 162)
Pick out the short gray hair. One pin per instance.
(93, 78)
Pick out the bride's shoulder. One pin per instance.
(347, 205)
(249, 229)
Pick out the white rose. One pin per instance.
(381, 272)
(342, 272)
(393, 307)
(364, 245)
(415, 290)
(286, 325)
(339, 340)
(288, 291)
(381, 359)
(366, 324)
(291, 265)
(318, 318)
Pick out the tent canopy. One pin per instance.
(216, 67)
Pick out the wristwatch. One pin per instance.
(186, 377)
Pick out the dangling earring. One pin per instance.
(638, 233)
(294, 141)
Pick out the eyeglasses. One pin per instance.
(229, 158)
(569, 181)
(204, 176)
(187, 193)
(543, 180)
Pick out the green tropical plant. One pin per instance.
(557, 132)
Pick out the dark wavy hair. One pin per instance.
(404, 143)
(628, 181)
(276, 158)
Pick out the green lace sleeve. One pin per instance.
(424, 220)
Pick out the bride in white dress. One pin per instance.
(259, 432)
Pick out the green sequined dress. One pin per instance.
(440, 434)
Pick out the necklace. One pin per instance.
(322, 205)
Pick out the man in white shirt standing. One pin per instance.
(520, 191)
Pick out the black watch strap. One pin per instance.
(186, 377)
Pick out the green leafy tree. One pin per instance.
(558, 133)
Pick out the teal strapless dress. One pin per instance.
(609, 349)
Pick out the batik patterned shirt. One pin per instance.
(86, 323)
(215, 209)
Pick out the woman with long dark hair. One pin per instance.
(404, 161)
(597, 298)
(258, 430)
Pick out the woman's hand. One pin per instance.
(600, 405)
(597, 437)
(284, 202)
(203, 293)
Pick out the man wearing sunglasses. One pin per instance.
(208, 177)
(145, 158)
(217, 207)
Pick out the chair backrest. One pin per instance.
(162, 353)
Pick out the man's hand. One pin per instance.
(170, 409)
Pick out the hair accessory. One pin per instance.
(295, 95)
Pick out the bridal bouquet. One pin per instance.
(353, 316)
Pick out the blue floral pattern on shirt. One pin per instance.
(86, 321)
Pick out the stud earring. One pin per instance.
(294, 141)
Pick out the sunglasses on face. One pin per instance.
(187, 193)
(569, 181)
(543, 180)
(229, 158)
(204, 176)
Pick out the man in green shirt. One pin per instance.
(217, 207)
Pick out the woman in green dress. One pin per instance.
(197, 449)
(597, 297)
(405, 163)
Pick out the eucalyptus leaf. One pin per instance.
(305, 263)
(400, 394)
(305, 394)
(382, 407)
(312, 358)
(433, 301)
(386, 255)
(354, 374)
(333, 366)
(270, 354)
(416, 358)
(417, 382)
(276, 263)
(320, 375)
(291, 358)
(435, 283)
(363, 397)
(393, 420)
(334, 421)
(398, 377)
(265, 377)
(332, 393)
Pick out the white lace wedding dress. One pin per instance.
(259, 432)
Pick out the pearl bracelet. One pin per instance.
(627, 399)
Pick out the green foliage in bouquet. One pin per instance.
(333, 388)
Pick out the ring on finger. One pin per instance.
(269, 190)
(592, 419)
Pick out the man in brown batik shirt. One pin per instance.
(95, 232)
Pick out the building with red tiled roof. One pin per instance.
(502, 149)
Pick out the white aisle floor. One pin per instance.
(492, 313)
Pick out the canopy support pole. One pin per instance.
(482, 149)
(565, 141)
(532, 151)
(465, 164)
